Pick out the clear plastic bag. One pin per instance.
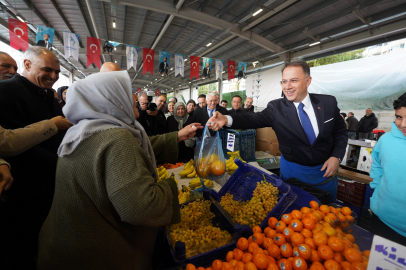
(209, 158)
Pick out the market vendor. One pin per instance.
(108, 204)
(388, 200)
(311, 132)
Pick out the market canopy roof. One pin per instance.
(283, 30)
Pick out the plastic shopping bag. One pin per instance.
(209, 158)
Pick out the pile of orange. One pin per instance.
(311, 238)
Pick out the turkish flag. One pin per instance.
(148, 60)
(157, 92)
(194, 67)
(231, 70)
(18, 34)
(93, 51)
(139, 90)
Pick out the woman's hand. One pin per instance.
(189, 131)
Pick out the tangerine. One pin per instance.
(299, 264)
(295, 252)
(315, 256)
(332, 265)
(325, 252)
(286, 250)
(279, 239)
(216, 265)
(270, 233)
(239, 266)
(201, 268)
(267, 242)
(296, 225)
(319, 239)
(338, 257)
(306, 233)
(366, 253)
(202, 170)
(309, 223)
(310, 243)
(346, 265)
(258, 238)
(305, 210)
(349, 218)
(296, 214)
(335, 243)
(352, 255)
(218, 168)
(313, 217)
(346, 211)
(237, 254)
(287, 218)
(256, 229)
(226, 266)
(297, 239)
(258, 251)
(330, 231)
(272, 222)
(274, 251)
(190, 266)
(260, 261)
(350, 237)
(250, 266)
(242, 243)
(246, 258)
(229, 256)
(252, 246)
(272, 266)
(280, 226)
(285, 264)
(324, 208)
(288, 232)
(233, 263)
(317, 266)
(314, 205)
(358, 266)
(304, 251)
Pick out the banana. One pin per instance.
(186, 172)
(161, 172)
(233, 167)
(229, 161)
(208, 183)
(195, 183)
(165, 175)
(190, 163)
(192, 174)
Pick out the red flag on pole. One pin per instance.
(93, 51)
(139, 90)
(148, 60)
(157, 92)
(231, 70)
(18, 34)
(194, 67)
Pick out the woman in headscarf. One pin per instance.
(190, 107)
(108, 204)
(170, 109)
(177, 122)
(62, 95)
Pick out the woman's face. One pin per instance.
(400, 120)
(136, 114)
(64, 94)
(190, 107)
(171, 107)
(180, 111)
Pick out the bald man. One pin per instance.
(8, 66)
(248, 104)
(109, 66)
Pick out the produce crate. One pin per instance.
(365, 220)
(351, 192)
(349, 223)
(205, 259)
(243, 183)
(244, 142)
(368, 194)
(322, 195)
(355, 209)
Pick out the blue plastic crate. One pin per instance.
(368, 194)
(355, 209)
(206, 259)
(243, 183)
(244, 142)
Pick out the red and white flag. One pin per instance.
(157, 92)
(194, 67)
(93, 51)
(148, 60)
(139, 90)
(231, 70)
(18, 34)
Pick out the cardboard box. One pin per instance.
(266, 135)
(272, 148)
(365, 159)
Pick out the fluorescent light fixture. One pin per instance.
(21, 19)
(115, 61)
(190, 82)
(114, 23)
(115, 48)
(162, 75)
(185, 59)
(257, 12)
(171, 68)
(315, 43)
(156, 79)
(256, 62)
(208, 44)
(224, 71)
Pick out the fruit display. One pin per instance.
(197, 231)
(189, 170)
(230, 164)
(301, 240)
(172, 166)
(163, 174)
(252, 212)
(195, 183)
(211, 167)
(184, 194)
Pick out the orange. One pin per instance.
(319, 226)
(242, 243)
(305, 210)
(216, 265)
(201, 268)
(279, 239)
(325, 252)
(286, 250)
(229, 256)
(239, 266)
(299, 264)
(296, 225)
(232, 262)
(304, 251)
(295, 252)
(332, 265)
(315, 256)
(296, 214)
(366, 253)
(317, 266)
(314, 205)
(266, 229)
(310, 243)
(356, 246)
(287, 218)
(237, 254)
(333, 210)
(270, 233)
(190, 267)
(250, 240)
(346, 211)
(358, 266)
(339, 231)
(250, 266)
(333, 216)
(258, 251)
(341, 217)
(350, 237)
(218, 167)
(328, 219)
(252, 246)
(203, 171)
(352, 255)
(347, 243)
(324, 208)
(280, 226)
(271, 259)
(285, 264)
(338, 257)
(346, 265)
(256, 229)
(247, 257)
(318, 215)
(272, 266)
(209, 268)
(335, 243)
(319, 238)
(287, 232)
(365, 262)
(258, 238)
(349, 218)
(308, 223)
(260, 261)
(321, 214)
(297, 239)
(330, 231)
(313, 217)
(274, 251)
(226, 266)
(306, 233)
(266, 252)
(272, 222)
(267, 242)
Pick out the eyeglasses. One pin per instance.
(292, 81)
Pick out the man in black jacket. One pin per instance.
(202, 115)
(311, 132)
(154, 122)
(367, 124)
(352, 126)
(25, 100)
(236, 102)
(248, 104)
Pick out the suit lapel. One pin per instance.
(291, 112)
(319, 112)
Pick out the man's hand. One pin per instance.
(61, 122)
(152, 113)
(331, 165)
(5, 178)
(217, 121)
(189, 131)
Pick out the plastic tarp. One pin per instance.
(373, 82)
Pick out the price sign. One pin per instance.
(386, 255)
(230, 142)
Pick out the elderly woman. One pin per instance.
(108, 204)
(177, 122)
(190, 107)
(170, 109)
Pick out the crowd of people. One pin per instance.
(78, 178)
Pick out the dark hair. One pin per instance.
(60, 92)
(237, 97)
(224, 101)
(343, 114)
(176, 100)
(201, 95)
(191, 101)
(299, 63)
(400, 102)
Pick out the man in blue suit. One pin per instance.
(311, 133)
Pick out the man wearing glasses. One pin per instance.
(311, 133)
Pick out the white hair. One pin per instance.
(211, 94)
(33, 52)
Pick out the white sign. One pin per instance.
(179, 64)
(219, 69)
(71, 45)
(132, 56)
(386, 255)
(230, 142)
